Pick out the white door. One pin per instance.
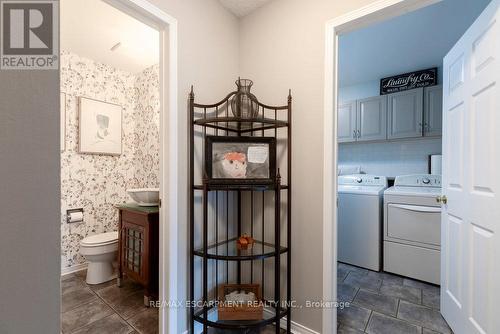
(470, 262)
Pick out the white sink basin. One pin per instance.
(145, 196)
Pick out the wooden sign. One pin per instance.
(402, 82)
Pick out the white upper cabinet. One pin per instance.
(346, 127)
(410, 114)
(433, 111)
(372, 118)
(405, 114)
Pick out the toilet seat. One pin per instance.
(101, 239)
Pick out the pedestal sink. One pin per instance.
(145, 196)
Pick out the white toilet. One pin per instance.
(100, 250)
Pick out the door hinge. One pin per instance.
(159, 203)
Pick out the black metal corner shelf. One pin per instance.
(249, 202)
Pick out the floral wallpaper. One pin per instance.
(147, 127)
(97, 182)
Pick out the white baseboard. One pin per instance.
(295, 327)
(73, 269)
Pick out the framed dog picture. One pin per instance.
(100, 127)
(240, 160)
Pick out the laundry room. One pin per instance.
(390, 154)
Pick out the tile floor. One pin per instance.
(104, 308)
(382, 303)
(107, 309)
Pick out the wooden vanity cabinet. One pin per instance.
(138, 241)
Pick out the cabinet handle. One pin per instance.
(354, 134)
(359, 133)
(421, 126)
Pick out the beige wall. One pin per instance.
(29, 202)
(29, 168)
(281, 47)
(208, 59)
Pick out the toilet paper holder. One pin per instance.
(74, 215)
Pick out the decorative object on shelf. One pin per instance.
(237, 160)
(407, 81)
(244, 104)
(240, 302)
(100, 127)
(245, 242)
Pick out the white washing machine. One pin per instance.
(360, 210)
(412, 227)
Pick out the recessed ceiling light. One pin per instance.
(116, 46)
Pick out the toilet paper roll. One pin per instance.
(436, 164)
(75, 217)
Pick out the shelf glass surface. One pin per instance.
(240, 124)
(229, 251)
(213, 321)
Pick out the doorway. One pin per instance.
(399, 288)
(151, 145)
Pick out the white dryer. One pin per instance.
(412, 227)
(360, 209)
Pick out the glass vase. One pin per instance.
(244, 104)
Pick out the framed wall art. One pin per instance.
(240, 160)
(100, 127)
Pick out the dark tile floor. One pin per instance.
(382, 303)
(107, 309)
(104, 308)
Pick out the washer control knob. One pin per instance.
(359, 180)
(426, 180)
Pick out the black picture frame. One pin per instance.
(259, 173)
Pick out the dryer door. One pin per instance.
(419, 224)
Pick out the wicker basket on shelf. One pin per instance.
(244, 311)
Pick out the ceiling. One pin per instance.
(90, 28)
(414, 41)
(242, 8)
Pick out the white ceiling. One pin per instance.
(241, 8)
(414, 41)
(90, 28)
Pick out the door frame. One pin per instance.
(173, 208)
(378, 11)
